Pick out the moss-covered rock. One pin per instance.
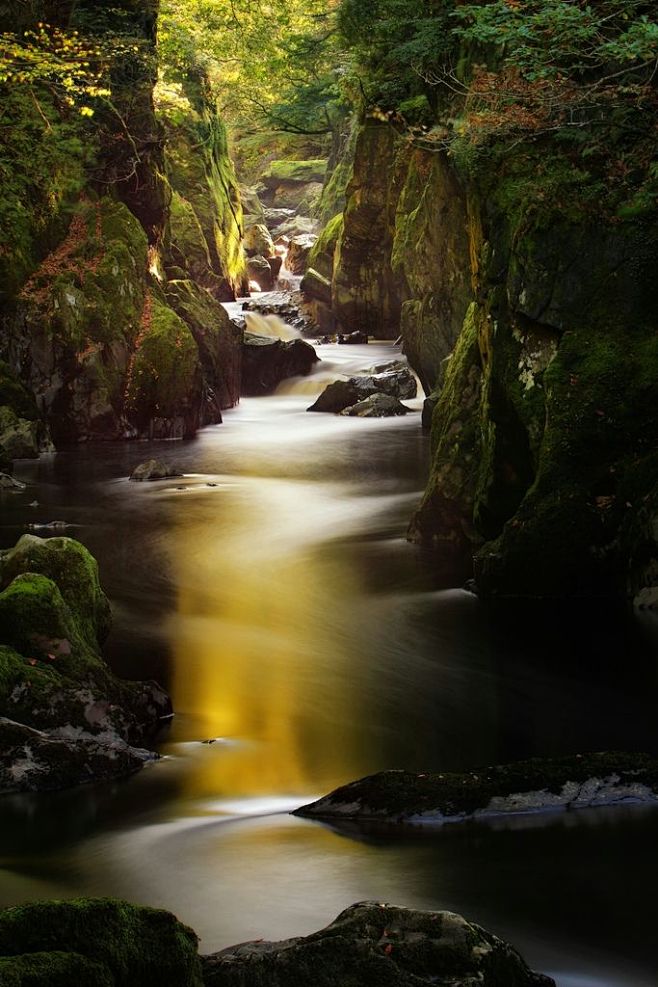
(188, 247)
(54, 969)
(133, 946)
(219, 345)
(164, 386)
(73, 569)
(298, 172)
(576, 782)
(53, 617)
(200, 170)
(377, 945)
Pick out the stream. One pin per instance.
(272, 591)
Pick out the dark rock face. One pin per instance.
(540, 784)
(374, 945)
(346, 393)
(67, 718)
(267, 361)
(97, 942)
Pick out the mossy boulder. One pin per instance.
(298, 172)
(188, 249)
(54, 969)
(53, 618)
(539, 784)
(164, 385)
(128, 945)
(377, 945)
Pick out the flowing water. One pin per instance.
(272, 590)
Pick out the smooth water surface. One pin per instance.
(271, 589)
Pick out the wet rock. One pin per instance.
(539, 784)
(258, 241)
(316, 286)
(371, 943)
(288, 184)
(260, 271)
(376, 406)
(346, 393)
(9, 483)
(274, 217)
(429, 404)
(267, 361)
(96, 942)
(353, 338)
(298, 252)
(34, 761)
(295, 226)
(20, 438)
(154, 469)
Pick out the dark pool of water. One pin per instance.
(289, 617)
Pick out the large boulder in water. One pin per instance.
(346, 393)
(376, 406)
(548, 784)
(96, 942)
(266, 361)
(375, 944)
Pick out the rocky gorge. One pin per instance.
(259, 573)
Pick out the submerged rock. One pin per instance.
(344, 394)
(353, 338)
(154, 469)
(267, 361)
(539, 784)
(96, 942)
(375, 944)
(376, 406)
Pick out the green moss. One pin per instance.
(321, 257)
(200, 170)
(140, 947)
(299, 172)
(188, 247)
(53, 969)
(445, 514)
(164, 367)
(75, 571)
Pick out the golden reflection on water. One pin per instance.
(258, 658)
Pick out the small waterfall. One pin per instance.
(270, 325)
